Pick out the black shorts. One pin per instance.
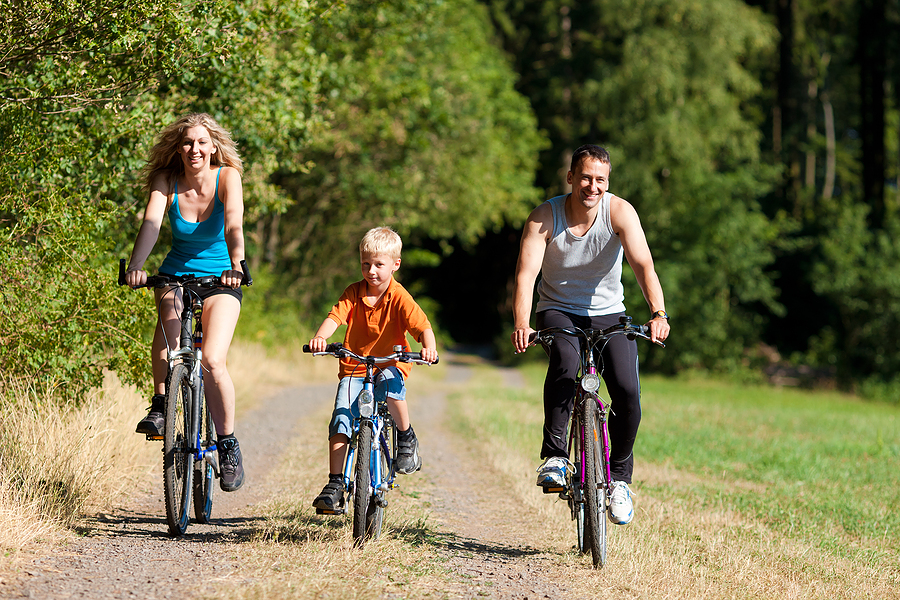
(206, 292)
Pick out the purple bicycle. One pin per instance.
(589, 483)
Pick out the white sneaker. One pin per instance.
(553, 472)
(621, 508)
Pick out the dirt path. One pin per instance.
(128, 554)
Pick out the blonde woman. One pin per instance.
(194, 176)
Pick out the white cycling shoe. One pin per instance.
(621, 507)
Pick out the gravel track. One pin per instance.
(127, 553)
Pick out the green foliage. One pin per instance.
(86, 88)
(426, 134)
(667, 88)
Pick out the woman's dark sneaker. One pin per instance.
(332, 497)
(231, 467)
(408, 459)
(154, 423)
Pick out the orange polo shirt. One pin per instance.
(375, 330)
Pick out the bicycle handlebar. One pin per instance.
(158, 281)
(594, 335)
(337, 350)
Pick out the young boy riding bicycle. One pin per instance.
(378, 313)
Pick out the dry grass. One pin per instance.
(59, 459)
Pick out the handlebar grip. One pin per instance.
(248, 281)
(121, 271)
(306, 348)
(437, 360)
(333, 347)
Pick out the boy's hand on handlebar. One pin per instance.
(522, 338)
(429, 354)
(135, 277)
(232, 278)
(317, 344)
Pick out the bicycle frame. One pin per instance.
(380, 418)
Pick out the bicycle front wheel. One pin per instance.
(576, 496)
(595, 498)
(375, 513)
(362, 488)
(204, 474)
(177, 457)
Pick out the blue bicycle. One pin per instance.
(369, 466)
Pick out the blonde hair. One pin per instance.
(381, 241)
(164, 155)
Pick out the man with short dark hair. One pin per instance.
(576, 242)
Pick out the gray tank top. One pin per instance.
(582, 275)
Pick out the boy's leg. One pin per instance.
(390, 383)
(339, 431)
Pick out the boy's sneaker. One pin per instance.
(408, 459)
(621, 508)
(553, 472)
(231, 468)
(154, 423)
(332, 496)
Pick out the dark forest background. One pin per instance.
(759, 142)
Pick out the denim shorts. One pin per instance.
(388, 384)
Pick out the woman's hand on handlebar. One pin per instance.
(232, 278)
(522, 337)
(135, 277)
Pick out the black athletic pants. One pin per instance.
(620, 362)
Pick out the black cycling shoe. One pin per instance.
(332, 496)
(231, 470)
(408, 459)
(154, 423)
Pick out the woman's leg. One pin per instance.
(168, 303)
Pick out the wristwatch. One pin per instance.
(660, 314)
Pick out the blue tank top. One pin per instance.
(197, 248)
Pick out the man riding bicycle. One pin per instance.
(576, 242)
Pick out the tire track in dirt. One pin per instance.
(493, 548)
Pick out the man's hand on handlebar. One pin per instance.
(429, 355)
(659, 330)
(522, 337)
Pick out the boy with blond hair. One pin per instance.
(378, 313)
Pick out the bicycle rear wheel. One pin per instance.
(177, 457)
(362, 488)
(204, 474)
(595, 498)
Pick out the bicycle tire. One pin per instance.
(362, 488)
(576, 496)
(204, 474)
(375, 512)
(177, 457)
(595, 498)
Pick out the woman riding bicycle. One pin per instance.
(194, 175)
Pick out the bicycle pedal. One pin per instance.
(154, 438)
(553, 489)
(325, 511)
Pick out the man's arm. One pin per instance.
(627, 225)
(531, 257)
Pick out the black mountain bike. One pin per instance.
(189, 438)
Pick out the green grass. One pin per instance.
(817, 465)
(820, 467)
